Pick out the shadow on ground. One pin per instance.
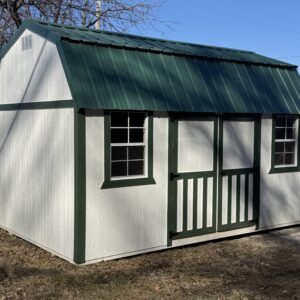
(264, 266)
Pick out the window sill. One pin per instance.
(284, 170)
(109, 184)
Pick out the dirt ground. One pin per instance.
(264, 266)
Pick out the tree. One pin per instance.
(116, 15)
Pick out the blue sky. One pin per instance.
(268, 27)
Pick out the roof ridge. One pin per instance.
(146, 38)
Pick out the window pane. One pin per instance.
(290, 133)
(136, 152)
(279, 147)
(281, 121)
(119, 168)
(290, 147)
(279, 159)
(137, 119)
(136, 135)
(280, 133)
(119, 135)
(289, 158)
(136, 167)
(119, 153)
(119, 119)
(291, 121)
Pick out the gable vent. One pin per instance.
(26, 42)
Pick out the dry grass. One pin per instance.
(265, 266)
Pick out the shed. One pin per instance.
(113, 144)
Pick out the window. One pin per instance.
(285, 148)
(128, 149)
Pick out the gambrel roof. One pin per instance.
(107, 70)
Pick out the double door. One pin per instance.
(214, 175)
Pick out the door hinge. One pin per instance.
(172, 234)
(173, 176)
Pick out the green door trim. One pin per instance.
(230, 172)
(174, 176)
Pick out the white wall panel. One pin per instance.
(238, 141)
(32, 75)
(200, 203)
(37, 177)
(195, 146)
(190, 204)
(210, 202)
(279, 196)
(122, 220)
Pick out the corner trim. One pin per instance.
(80, 188)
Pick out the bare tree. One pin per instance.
(116, 15)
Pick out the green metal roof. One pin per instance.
(108, 70)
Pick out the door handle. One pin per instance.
(173, 176)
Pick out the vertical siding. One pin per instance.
(37, 177)
(123, 220)
(280, 202)
(32, 75)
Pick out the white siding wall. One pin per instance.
(37, 177)
(123, 220)
(280, 197)
(32, 75)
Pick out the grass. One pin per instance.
(264, 266)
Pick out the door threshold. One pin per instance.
(212, 236)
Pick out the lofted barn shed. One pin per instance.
(113, 145)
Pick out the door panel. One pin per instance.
(238, 144)
(239, 174)
(237, 199)
(193, 185)
(195, 204)
(195, 145)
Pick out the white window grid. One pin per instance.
(130, 144)
(285, 140)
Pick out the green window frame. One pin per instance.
(280, 141)
(128, 180)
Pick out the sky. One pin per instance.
(268, 27)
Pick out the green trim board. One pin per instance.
(255, 171)
(256, 179)
(175, 176)
(172, 185)
(37, 105)
(108, 182)
(80, 187)
(286, 169)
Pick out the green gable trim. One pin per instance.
(80, 188)
(108, 182)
